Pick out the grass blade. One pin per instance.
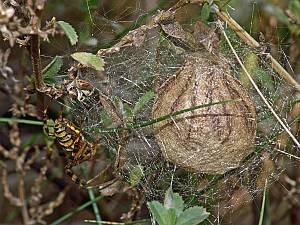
(262, 210)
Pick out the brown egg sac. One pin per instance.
(213, 139)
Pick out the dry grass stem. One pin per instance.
(257, 88)
(249, 40)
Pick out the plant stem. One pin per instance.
(284, 126)
(24, 121)
(118, 223)
(37, 72)
(250, 41)
(36, 61)
(159, 119)
(78, 209)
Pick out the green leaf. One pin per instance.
(127, 113)
(142, 101)
(265, 79)
(174, 200)
(294, 7)
(105, 118)
(89, 59)
(162, 215)
(70, 31)
(49, 128)
(52, 69)
(205, 12)
(192, 216)
(136, 174)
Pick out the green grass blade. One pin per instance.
(14, 120)
(119, 223)
(263, 204)
(78, 209)
(95, 206)
(156, 120)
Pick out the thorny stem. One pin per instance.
(249, 40)
(257, 89)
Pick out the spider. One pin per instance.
(75, 149)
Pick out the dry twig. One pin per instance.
(32, 212)
(249, 40)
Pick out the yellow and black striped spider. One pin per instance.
(74, 147)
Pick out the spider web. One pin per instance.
(133, 71)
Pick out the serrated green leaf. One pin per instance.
(174, 200)
(127, 113)
(192, 216)
(265, 78)
(52, 69)
(136, 174)
(70, 31)
(89, 59)
(117, 102)
(142, 101)
(105, 118)
(162, 215)
(205, 12)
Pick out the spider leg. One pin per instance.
(103, 185)
(85, 153)
(68, 170)
(115, 169)
(98, 175)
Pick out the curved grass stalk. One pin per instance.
(159, 119)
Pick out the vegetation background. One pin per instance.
(100, 24)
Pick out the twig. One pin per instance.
(35, 11)
(40, 211)
(257, 89)
(36, 61)
(37, 72)
(254, 44)
(7, 193)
